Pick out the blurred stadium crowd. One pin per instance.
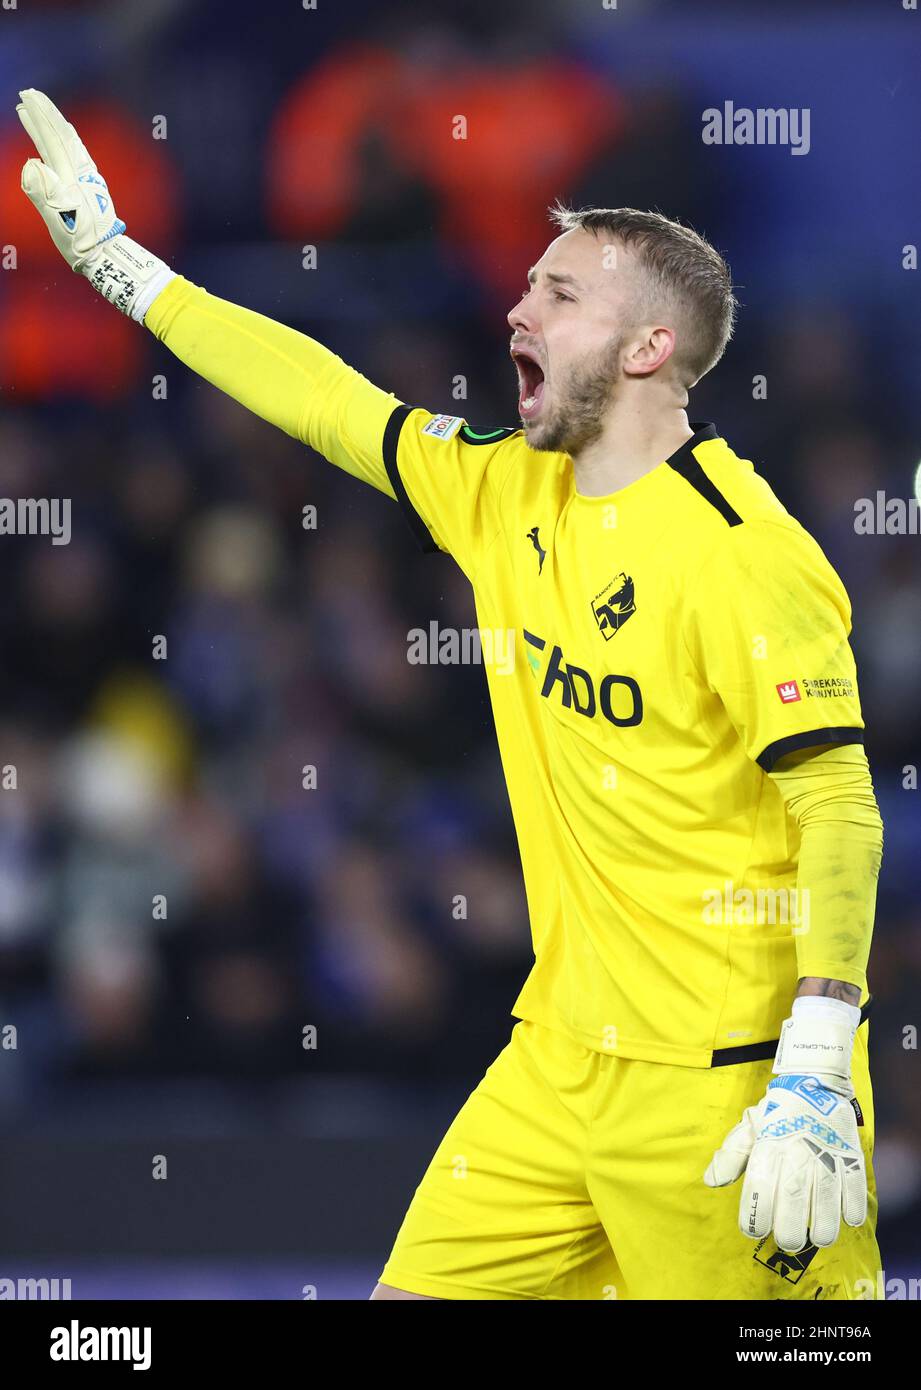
(142, 780)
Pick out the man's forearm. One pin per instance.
(815, 987)
(284, 376)
(829, 794)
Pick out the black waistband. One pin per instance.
(761, 1052)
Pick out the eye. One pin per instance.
(562, 298)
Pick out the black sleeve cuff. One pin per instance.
(423, 535)
(812, 739)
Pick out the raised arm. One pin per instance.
(447, 477)
(284, 376)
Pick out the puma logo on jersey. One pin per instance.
(534, 538)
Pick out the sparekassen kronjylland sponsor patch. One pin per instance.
(827, 687)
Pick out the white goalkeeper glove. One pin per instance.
(799, 1147)
(74, 199)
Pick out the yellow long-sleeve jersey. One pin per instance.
(674, 642)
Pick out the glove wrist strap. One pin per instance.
(127, 275)
(816, 1044)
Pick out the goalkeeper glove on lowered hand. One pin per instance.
(74, 199)
(799, 1147)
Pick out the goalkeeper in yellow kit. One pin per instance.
(683, 744)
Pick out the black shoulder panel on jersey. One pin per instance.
(471, 436)
(423, 535)
(684, 462)
(813, 739)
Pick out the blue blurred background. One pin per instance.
(285, 128)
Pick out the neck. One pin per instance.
(631, 443)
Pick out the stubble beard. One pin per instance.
(576, 418)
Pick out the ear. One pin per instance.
(648, 353)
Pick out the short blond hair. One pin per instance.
(681, 270)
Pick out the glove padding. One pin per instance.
(799, 1147)
(800, 1152)
(65, 185)
(74, 200)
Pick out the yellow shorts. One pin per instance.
(573, 1174)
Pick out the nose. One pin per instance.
(521, 318)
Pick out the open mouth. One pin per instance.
(530, 383)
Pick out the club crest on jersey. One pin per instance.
(443, 426)
(614, 605)
(788, 692)
(789, 1267)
